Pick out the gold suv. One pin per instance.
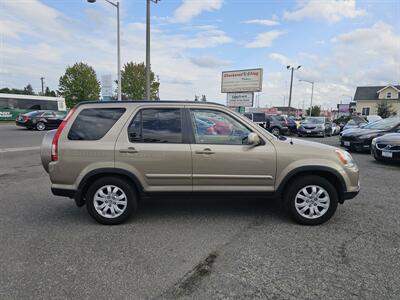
(108, 155)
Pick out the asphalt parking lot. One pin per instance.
(193, 249)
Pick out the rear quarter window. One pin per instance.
(93, 123)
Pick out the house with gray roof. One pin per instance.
(368, 97)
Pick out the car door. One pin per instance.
(223, 161)
(49, 118)
(153, 146)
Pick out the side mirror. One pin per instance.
(363, 125)
(253, 139)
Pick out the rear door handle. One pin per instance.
(205, 151)
(129, 150)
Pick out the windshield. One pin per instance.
(313, 121)
(385, 124)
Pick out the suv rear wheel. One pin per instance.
(311, 200)
(111, 200)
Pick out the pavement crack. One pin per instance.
(187, 284)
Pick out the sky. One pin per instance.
(339, 44)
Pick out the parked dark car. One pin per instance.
(386, 147)
(355, 122)
(319, 126)
(360, 139)
(277, 125)
(41, 119)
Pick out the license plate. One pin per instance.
(387, 154)
(308, 131)
(347, 143)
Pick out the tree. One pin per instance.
(385, 109)
(315, 111)
(79, 83)
(28, 90)
(50, 93)
(133, 82)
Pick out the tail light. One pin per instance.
(54, 143)
(25, 118)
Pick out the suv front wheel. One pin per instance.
(311, 200)
(111, 200)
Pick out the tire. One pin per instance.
(40, 126)
(296, 189)
(276, 131)
(128, 202)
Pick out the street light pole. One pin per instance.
(116, 5)
(148, 95)
(312, 93)
(291, 85)
(119, 55)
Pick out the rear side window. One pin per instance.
(156, 126)
(93, 123)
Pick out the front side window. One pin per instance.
(215, 127)
(160, 125)
(93, 123)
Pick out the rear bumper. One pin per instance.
(303, 131)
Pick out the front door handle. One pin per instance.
(129, 150)
(205, 151)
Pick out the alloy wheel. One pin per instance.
(110, 201)
(312, 202)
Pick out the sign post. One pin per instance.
(240, 86)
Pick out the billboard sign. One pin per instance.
(344, 108)
(242, 81)
(240, 99)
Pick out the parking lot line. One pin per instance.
(4, 150)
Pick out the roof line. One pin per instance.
(144, 101)
(392, 86)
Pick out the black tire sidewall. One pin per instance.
(122, 184)
(297, 185)
(44, 126)
(276, 129)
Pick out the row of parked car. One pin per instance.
(282, 125)
(381, 138)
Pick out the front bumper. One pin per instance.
(376, 153)
(357, 145)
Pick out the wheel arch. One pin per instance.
(92, 176)
(328, 173)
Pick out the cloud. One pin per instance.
(264, 22)
(280, 58)
(94, 42)
(357, 58)
(265, 39)
(209, 62)
(330, 10)
(190, 8)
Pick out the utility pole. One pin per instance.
(291, 85)
(116, 5)
(42, 80)
(148, 95)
